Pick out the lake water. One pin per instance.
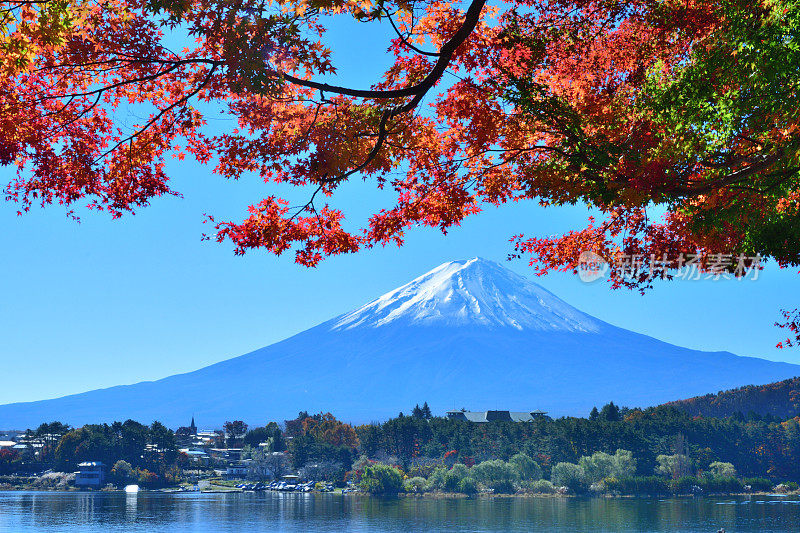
(22, 512)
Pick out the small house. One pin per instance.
(236, 471)
(90, 474)
(196, 455)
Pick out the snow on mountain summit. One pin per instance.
(474, 292)
(468, 333)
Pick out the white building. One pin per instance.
(90, 474)
(236, 471)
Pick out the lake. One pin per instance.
(22, 512)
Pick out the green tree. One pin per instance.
(527, 469)
(162, 440)
(234, 431)
(674, 466)
(468, 485)
(415, 484)
(568, 475)
(426, 411)
(270, 434)
(370, 438)
(301, 449)
(121, 473)
(436, 480)
(161, 437)
(382, 479)
(92, 442)
(624, 464)
(454, 477)
(131, 437)
(404, 434)
(496, 474)
(600, 465)
(722, 470)
(610, 413)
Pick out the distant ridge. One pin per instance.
(780, 399)
(469, 333)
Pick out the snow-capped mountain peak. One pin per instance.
(468, 333)
(474, 292)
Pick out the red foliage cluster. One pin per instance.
(483, 105)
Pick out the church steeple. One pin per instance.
(193, 427)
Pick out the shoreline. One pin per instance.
(414, 495)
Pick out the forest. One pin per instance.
(661, 447)
(780, 399)
(756, 445)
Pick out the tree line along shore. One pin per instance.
(613, 451)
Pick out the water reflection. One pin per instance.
(131, 502)
(94, 512)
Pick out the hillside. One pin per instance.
(467, 334)
(780, 399)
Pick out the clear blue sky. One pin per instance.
(109, 302)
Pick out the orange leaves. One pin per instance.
(623, 232)
(78, 144)
(529, 100)
(273, 225)
(326, 428)
(357, 8)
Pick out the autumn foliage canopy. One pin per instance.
(687, 109)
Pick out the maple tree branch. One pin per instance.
(121, 83)
(760, 163)
(781, 178)
(20, 3)
(387, 114)
(418, 91)
(404, 40)
(185, 98)
(83, 113)
(309, 205)
(119, 57)
(445, 54)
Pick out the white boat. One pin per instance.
(131, 489)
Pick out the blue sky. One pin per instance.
(107, 302)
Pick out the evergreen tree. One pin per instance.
(610, 413)
(595, 414)
(426, 411)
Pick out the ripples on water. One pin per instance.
(22, 512)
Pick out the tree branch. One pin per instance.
(444, 56)
(405, 40)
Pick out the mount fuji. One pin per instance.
(467, 334)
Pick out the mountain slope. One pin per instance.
(467, 334)
(781, 399)
(473, 292)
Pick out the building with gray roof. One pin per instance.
(496, 416)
